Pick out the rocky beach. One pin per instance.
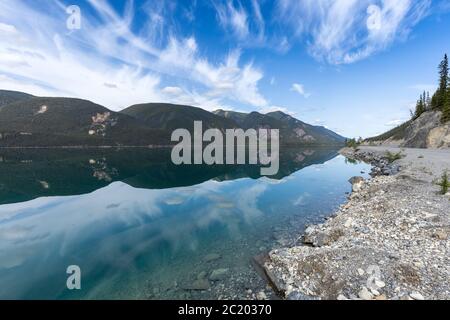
(390, 241)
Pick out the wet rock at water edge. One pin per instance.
(198, 285)
(295, 295)
(354, 180)
(218, 274)
(357, 183)
(212, 257)
(321, 239)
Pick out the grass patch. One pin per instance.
(391, 157)
(444, 183)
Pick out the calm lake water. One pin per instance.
(142, 228)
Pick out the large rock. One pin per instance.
(218, 274)
(357, 183)
(319, 239)
(427, 131)
(439, 137)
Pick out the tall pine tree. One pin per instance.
(443, 82)
(428, 101)
(446, 109)
(434, 101)
(424, 101)
(420, 107)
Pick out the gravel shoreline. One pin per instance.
(391, 240)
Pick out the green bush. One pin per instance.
(352, 143)
(444, 183)
(391, 157)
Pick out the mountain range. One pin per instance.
(29, 121)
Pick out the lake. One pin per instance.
(140, 227)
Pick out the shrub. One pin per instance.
(352, 143)
(444, 183)
(391, 157)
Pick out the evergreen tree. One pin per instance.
(419, 107)
(428, 101)
(443, 82)
(423, 98)
(446, 109)
(434, 102)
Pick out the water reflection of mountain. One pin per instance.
(27, 174)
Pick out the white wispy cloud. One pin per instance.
(246, 24)
(231, 79)
(395, 122)
(318, 122)
(38, 55)
(172, 90)
(233, 18)
(259, 20)
(277, 108)
(300, 89)
(345, 31)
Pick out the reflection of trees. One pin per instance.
(102, 171)
(72, 172)
(351, 161)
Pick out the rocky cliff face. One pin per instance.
(439, 137)
(427, 131)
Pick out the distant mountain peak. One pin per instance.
(8, 96)
(76, 122)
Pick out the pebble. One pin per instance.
(261, 295)
(348, 223)
(441, 235)
(417, 296)
(365, 294)
(375, 292)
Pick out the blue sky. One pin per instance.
(355, 66)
